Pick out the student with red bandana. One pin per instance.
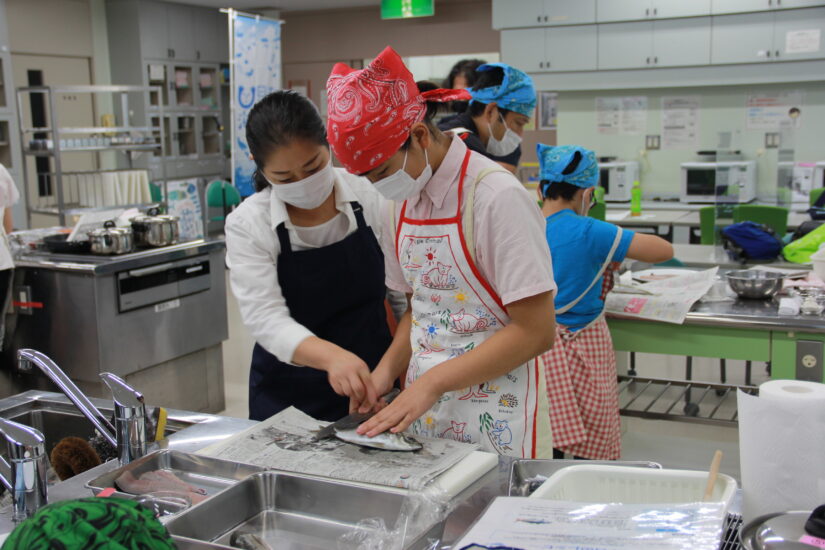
(468, 249)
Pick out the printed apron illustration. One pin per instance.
(454, 311)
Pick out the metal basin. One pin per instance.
(295, 512)
(753, 284)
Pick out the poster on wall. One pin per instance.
(769, 111)
(548, 110)
(623, 115)
(680, 122)
(256, 72)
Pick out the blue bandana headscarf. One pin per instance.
(553, 161)
(515, 93)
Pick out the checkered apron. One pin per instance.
(580, 372)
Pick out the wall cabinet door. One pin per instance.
(784, 4)
(680, 8)
(740, 6)
(222, 38)
(523, 48)
(684, 42)
(206, 34)
(560, 41)
(153, 33)
(622, 10)
(626, 45)
(799, 34)
(569, 12)
(181, 31)
(742, 38)
(523, 13)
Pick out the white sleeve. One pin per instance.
(253, 275)
(9, 195)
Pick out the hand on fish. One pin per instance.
(384, 441)
(383, 384)
(410, 405)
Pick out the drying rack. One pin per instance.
(59, 201)
(682, 400)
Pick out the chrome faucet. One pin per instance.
(128, 435)
(130, 418)
(25, 477)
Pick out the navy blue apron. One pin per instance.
(337, 292)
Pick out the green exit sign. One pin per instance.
(400, 9)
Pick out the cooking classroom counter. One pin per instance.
(750, 330)
(706, 256)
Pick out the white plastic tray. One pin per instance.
(621, 484)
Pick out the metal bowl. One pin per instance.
(750, 283)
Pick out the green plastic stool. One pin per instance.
(224, 195)
(774, 216)
(814, 195)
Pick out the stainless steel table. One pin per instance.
(706, 256)
(795, 219)
(662, 221)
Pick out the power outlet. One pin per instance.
(809, 360)
(653, 142)
(772, 140)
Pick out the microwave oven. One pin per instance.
(818, 180)
(616, 178)
(699, 181)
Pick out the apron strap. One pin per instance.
(616, 240)
(467, 214)
(283, 237)
(358, 210)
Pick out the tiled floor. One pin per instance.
(673, 444)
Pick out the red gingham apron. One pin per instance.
(454, 310)
(580, 371)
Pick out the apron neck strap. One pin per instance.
(283, 238)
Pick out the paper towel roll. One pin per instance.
(782, 447)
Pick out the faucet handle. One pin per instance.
(125, 396)
(23, 440)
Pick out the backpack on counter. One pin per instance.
(751, 241)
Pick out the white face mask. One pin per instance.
(400, 185)
(309, 192)
(506, 144)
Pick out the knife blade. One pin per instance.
(352, 420)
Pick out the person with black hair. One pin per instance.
(462, 76)
(503, 102)
(468, 250)
(306, 268)
(580, 369)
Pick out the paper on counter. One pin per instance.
(669, 300)
(284, 442)
(616, 216)
(781, 446)
(790, 306)
(92, 220)
(535, 524)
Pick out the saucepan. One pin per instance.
(110, 239)
(154, 230)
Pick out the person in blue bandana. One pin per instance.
(580, 369)
(503, 102)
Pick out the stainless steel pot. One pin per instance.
(782, 531)
(152, 230)
(110, 239)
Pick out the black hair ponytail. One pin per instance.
(277, 120)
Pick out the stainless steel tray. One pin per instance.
(210, 474)
(527, 475)
(296, 512)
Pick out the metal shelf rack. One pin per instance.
(56, 134)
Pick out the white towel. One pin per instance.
(108, 187)
(144, 191)
(789, 306)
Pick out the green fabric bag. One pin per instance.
(800, 250)
(91, 524)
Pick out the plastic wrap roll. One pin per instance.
(782, 447)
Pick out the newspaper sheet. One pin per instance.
(667, 300)
(284, 442)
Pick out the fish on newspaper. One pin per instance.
(386, 441)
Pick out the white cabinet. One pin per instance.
(508, 14)
(768, 36)
(548, 49)
(153, 35)
(799, 34)
(741, 6)
(181, 31)
(630, 10)
(681, 43)
(523, 48)
(625, 45)
(210, 32)
(666, 43)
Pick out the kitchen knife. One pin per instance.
(352, 420)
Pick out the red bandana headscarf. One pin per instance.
(371, 111)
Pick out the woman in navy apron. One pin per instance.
(306, 268)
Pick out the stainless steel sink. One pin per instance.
(295, 512)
